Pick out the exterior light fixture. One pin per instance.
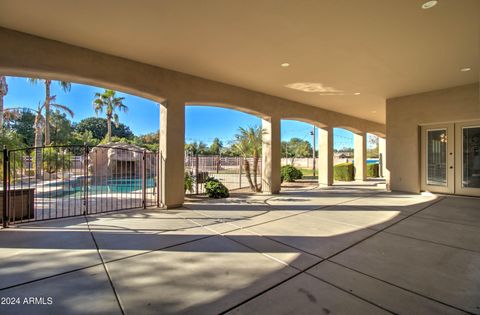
(429, 4)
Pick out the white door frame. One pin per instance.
(449, 187)
(454, 158)
(459, 189)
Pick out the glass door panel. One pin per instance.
(468, 158)
(471, 157)
(437, 157)
(437, 171)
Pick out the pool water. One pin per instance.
(76, 187)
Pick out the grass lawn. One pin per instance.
(308, 171)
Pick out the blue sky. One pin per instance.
(202, 123)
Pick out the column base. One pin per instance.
(172, 206)
(269, 193)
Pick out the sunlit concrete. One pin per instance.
(354, 249)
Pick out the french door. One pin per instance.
(450, 156)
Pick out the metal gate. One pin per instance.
(42, 183)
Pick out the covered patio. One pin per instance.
(342, 249)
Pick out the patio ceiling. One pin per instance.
(336, 49)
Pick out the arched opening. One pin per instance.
(343, 155)
(76, 149)
(374, 162)
(224, 144)
(299, 150)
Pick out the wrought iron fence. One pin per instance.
(42, 183)
(229, 170)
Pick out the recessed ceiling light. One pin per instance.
(374, 111)
(429, 4)
(465, 69)
(356, 93)
(285, 64)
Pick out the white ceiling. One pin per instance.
(379, 48)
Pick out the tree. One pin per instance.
(196, 148)
(296, 148)
(78, 139)
(61, 127)
(66, 86)
(39, 124)
(230, 151)
(3, 92)
(216, 147)
(23, 126)
(372, 148)
(11, 140)
(248, 143)
(98, 127)
(149, 141)
(109, 102)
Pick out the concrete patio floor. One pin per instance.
(344, 249)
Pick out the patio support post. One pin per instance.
(360, 155)
(382, 149)
(325, 156)
(172, 145)
(271, 155)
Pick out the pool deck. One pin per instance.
(345, 249)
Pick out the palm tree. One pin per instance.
(248, 142)
(3, 92)
(109, 100)
(196, 148)
(66, 86)
(40, 124)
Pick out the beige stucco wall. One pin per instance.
(27, 55)
(31, 56)
(405, 115)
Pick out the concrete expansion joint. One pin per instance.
(115, 293)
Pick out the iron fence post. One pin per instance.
(240, 179)
(5, 186)
(196, 173)
(144, 180)
(85, 177)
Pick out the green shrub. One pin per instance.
(215, 189)
(372, 170)
(53, 159)
(290, 173)
(188, 182)
(344, 172)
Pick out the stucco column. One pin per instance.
(382, 149)
(360, 155)
(325, 156)
(271, 155)
(172, 139)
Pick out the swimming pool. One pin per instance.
(96, 186)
